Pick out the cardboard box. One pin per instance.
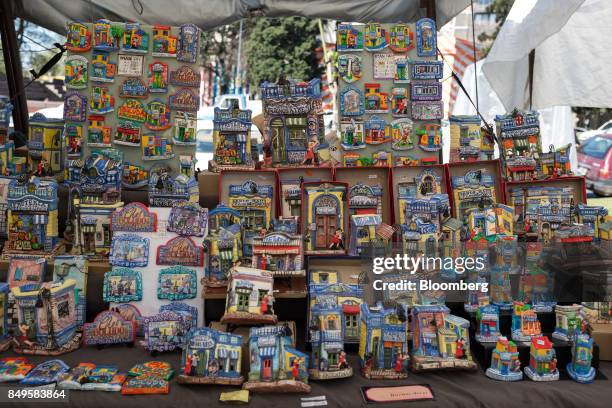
(602, 335)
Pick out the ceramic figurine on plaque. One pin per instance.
(122, 285)
(148, 378)
(184, 128)
(376, 131)
(467, 142)
(429, 136)
(426, 38)
(383, 348)
(505, 363)
(164, 44)
(542, 361)
(165, 331)
(76, 268)
(475, 190)
(439, 339)
(130, 313)
(275, 365)
(211, 357)
(103, 69)
(5, 335)
(74, 140)
(569, 322)
(188, 43)
(579, 369)
(352, 134)
(556, 163)
(156, 147)
(158, 77)
(75, 107)
(399, 102)
(48, 330)
(324, 218)
(370, 236)
(351, 101)
(47, 372)
(328, 359)
(350, 67)
(101, 100)
(78, 37)
(293, 113)
(223, 245)
(249, 297)
(401, 134)
(401, 38)
(525, 323)
(376, 37)
(32, 217)
(45, 149)
(376, 101)
(177, 283)
(98, 133)
(134, 176)
(76, 75)
(487, 318)
(107, 35)
(109, 328)
(349, 38)
(14, 369)
(158, 115)
(76, 377)
(166, 189)
(519, 134)
(134, 39)
(231, 139)
(280, 251)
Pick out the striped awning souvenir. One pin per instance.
(385, 231)
(267, 351)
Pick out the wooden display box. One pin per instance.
(578, 184)
(239, 177)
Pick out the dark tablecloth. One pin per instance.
(451, 388)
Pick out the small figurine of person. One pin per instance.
(459, 352)
(195, 359)
(342, 360)
(263, 307)
(337, 240)
(310, 157)
(187, 368)
(295, 371)
(22, 338)
(553, 365)
(517, 365)
(399, 363)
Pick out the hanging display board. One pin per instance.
(389, 94)
(132, 87)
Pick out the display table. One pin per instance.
(451, 388)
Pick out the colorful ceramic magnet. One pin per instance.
(424, 70)
(134, 217)
(109, 328)
(399, 102)
(76, 377)
(352, 134)
(14, 369)
(429, 136)
(349, 38)
(351, 101)
(178, 282)
(102, 373)
(158, 115)
(135, 39)
(112, 385)
(107, 35)
(128, 133)
(76, 72)
(384, 65)
(101, 100)
(425, 90)
(182, 308)
(376, 130)
(26, 271)
(45, 373)
(131, 313)
(78, 37)
(133, 88)
(129, 250)
(188, 43)
(422, 110)
(160, 369)
(185, 76)
(74, 140)
(98, 134)
(188, 218)
(165, 331)
(132, 110)
(184, 128)
(180, 251)
(401, 134)
(184, 99)
(164, 44)
(401, 38)
(376, 37)
(155, 147)
(350, 67)
(102, 68)
(375, 100)
(402, 75)
(426, 37)
(75, 107)
(122, 285)
(134, 176)
(158, 77)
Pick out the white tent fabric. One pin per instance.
(207, 14)
(573, 57)
(556, 123)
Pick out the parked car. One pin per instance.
(595, 162)
(587, 134)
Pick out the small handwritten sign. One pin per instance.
(130, 65)
(384, 65)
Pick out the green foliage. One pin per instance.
(219, 52)
(501, 8)
(278, 47)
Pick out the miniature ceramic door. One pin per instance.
(388, 355)
(350, 325)
(326, 228)
(266, 371)
(277, 130)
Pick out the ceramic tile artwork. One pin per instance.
(109, 328)
(395, 93)
(129, 312)
(14, 368)
(148, 378)
(122, 285)
(177, 283)
(76, 268)
(188, 218)
(45, 373)
(129, 250)
(165, 331)
(25, 271)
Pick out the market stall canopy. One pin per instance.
(573, 57)
(207, 14)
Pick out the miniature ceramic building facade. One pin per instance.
(383, 348)
(45, 145)
(165, 189)
(505, 363)
(525, 323)
(579, 369)
(556, 163)
(249, 297)
(232, 139)
(488, 324)
(569, 320)
(32, 216)
(211, 357)
(294, 128)
(50, 329)
(280, 251)
(467, 142)
(542, 360)
(274, 364)
(473, 190)
(324, 211)
(439, 339)
(369, 235)
(223, 243)
(521, 148)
